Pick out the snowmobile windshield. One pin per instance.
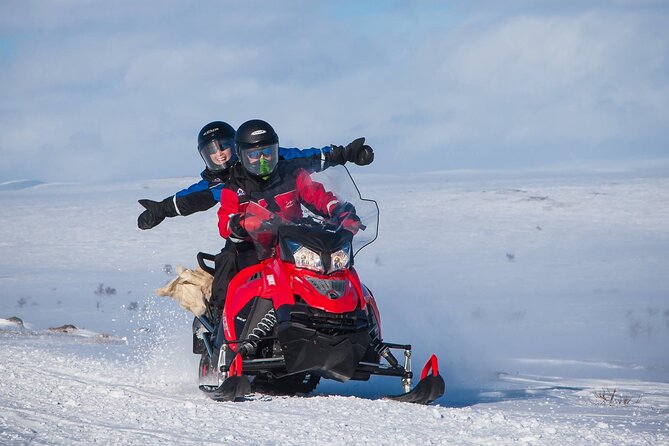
(359, 216)
(218, 154)
(338, 180)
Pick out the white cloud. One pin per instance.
(481, 85)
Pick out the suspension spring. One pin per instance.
(263, 328)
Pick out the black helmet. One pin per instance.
(257, 147)
(216, 137)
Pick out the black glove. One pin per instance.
(357, 152)
(155, 212)
(237, 231)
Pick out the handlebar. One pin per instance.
(201, 257)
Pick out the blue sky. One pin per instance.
(100, 91)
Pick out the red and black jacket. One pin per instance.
(288, 187)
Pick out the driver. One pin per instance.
(279, 186)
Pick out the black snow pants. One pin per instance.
(233, 258)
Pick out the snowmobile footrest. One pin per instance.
(232, 389)
(427, 390)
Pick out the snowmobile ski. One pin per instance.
(429, 388)
(235, 386)
(232, 389)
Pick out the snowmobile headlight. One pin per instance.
(305, 257)
(341, 259)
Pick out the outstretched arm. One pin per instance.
(316, 160)
(313, 159)
(197, 197)
(156, 211)
(289, 153)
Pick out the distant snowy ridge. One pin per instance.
(19, 184)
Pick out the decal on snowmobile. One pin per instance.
(270, 280)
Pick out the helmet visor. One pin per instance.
(260, 160)
(218, 154)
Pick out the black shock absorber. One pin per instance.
(379, 346)
(385, 352)
(260, 323)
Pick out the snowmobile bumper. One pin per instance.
(308, 349)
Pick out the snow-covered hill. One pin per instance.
(546, 299)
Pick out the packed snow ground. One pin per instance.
(546, 298)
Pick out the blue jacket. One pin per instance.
(206, 193)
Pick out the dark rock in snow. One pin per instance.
(67, 328)
(17, 320)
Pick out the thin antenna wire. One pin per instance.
(378, 212)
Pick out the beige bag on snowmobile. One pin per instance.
(191, 289)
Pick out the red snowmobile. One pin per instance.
(302, 313)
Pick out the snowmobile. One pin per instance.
(302, 313)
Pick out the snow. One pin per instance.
(546, 298)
